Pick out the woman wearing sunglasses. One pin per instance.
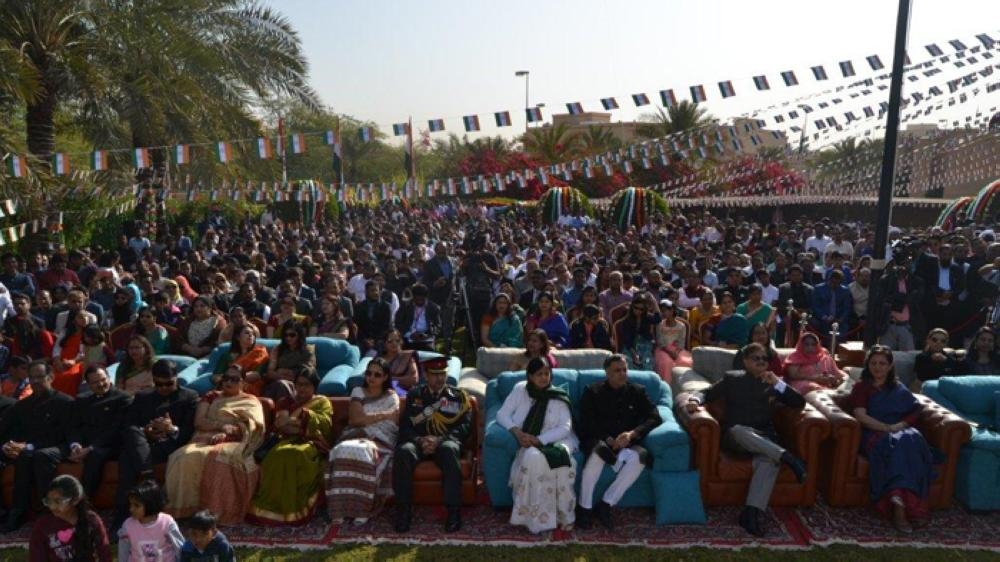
(288, 359)
(358, 482)
(935, 361)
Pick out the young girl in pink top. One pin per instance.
(149, 535)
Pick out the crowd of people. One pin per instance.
(651, 294)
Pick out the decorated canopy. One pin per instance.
(979, 209)
(563, 202)
(636, 206)
(948, 215)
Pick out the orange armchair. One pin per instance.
(725, 476)
(843, 477)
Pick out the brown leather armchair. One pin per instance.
(104, 497)
(427, 476)
(725, 476)
(844, 471)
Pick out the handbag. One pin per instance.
(269, 442)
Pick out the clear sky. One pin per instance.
(386, 60)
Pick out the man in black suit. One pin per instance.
(95, 435)
(944, 281)
(373, 318)
(158, 422)
(749, 428)
(528, 298)
(438, 275)
(800, 293)
(33, 433)
(419, 320)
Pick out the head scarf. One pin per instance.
(801, 357)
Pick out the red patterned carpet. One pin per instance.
(482, 525)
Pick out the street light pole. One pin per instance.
(524, 73)
(887, 182)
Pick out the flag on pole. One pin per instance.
(986, 40)
(958, 45)
(224, 151)
(329, 138)
(698, 93)
(819, 73)
(533, 114)
(99, 160)
(338, 156)
(502, 118)
(408, 161)
(847, 68)
(640, 99)
(726, 89)
(264, 148)
(365, 134)
(140, 158)
(667, 98)
(789, 77)
(182, 154)
(16, 166)
(761, 82)
(934, 50)
(60, 163)
(609, 103)
(297, 143)
(875, 62)
(435, 125)
(574, 108)
(399, 129)
(471, 123)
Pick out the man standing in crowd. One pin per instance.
(800, 293)
(748, 427)
(900, 318)
(438, 275)
(435, 424)
(831, 304)
(615, 416)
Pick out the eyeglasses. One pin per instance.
(164, 384)
(374, 374)
(232, 378)
(55, 503)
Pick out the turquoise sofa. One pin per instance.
(454, 369)
(182, 362)
(668, 443)
(336, 361)
(975, 399)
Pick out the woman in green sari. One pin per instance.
(291, 485)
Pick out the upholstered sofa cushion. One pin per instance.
(491, 361)
(972, 395)
(678, 498)
(712, 362)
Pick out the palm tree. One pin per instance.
(684, 116)
(149, 72)
(598, 139)
(552, 144)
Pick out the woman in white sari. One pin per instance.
(543, 472)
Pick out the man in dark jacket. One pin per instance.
(373, 319)
(615, 416)
(748, 427)
(158, 422)
(33, 433)
(95, 435)
(419, 320)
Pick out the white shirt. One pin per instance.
(845, 248)
(769, 294)
(818, 243)
(557, 427)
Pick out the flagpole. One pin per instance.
(888, 171)
(281, 148)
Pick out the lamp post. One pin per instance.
(524, 73)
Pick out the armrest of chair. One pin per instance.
(942, 428)
(843, 426)
(192, 372)
(803, 429)
(705, 433)
(334, 382)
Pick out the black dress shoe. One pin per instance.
(584, 518)
(750, 520)
(454, 521)
(404, 517)
(603, 513)
(797, 465)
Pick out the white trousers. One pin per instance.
(629, 468)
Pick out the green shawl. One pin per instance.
(554, 454)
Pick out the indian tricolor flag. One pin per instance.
(668, 98)
(182, 153)
(99, 160)
(224, 151)
(17, 166)
(574, 108)
(726, 89)
(264, 148)
(698, 93)
(329, 139)
(140, 158)
(533, 114)
(60, 163)
(297, 143)
(435, 125)
(471, 123)
(502, 118)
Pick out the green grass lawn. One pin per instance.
(580, 553)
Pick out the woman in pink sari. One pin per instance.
(811, 367)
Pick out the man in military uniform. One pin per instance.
(434, 426)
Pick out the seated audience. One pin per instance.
(251, 357)
(547, 317)
(982, 357)
(287, 359)
(590, 331)
(402, 364)
(935, 361)
(501, 326)
(536, 345)
(671, 342)
(811, 367)
(135, 372)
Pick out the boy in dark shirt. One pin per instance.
(206, 542)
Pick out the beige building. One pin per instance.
(946, 163)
